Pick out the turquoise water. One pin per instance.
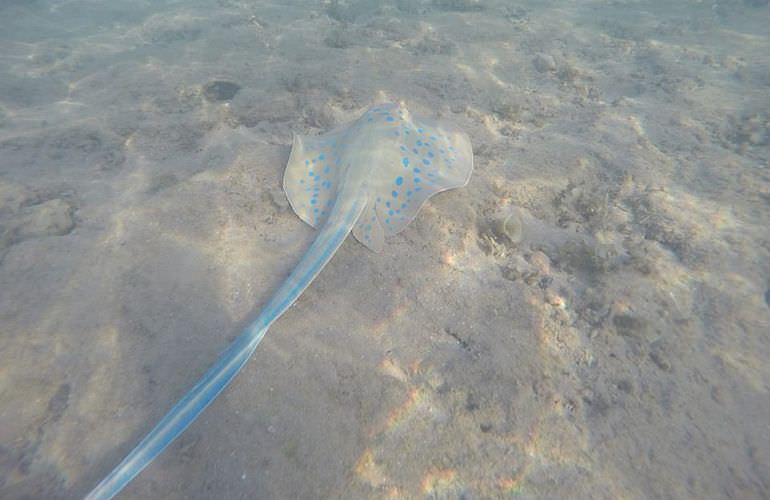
(586, 319)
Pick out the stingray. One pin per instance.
(370, 177)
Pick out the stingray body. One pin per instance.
(369, 177)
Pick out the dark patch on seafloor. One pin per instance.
(220, 90)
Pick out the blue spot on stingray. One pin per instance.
(403, 205)
(327, 168)
(425, 161)
(416, 170)
(403, 148)
(395, 194)
(408, 194)
(430, 154)
(387, 221)
(433, 138)
(414, 150)
(405, 161)
(307, 162)
(419, 142)
(399, 180)
(416, 181)
(310, 174)
(391, 212)
(321, 158)
(420, 130)
(389, 119)
(312, 202)
(417, 189)
(302, 181)
(387, 204)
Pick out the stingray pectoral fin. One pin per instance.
(416, 159)
(311, 178)
(432, 158)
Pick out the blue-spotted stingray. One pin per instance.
(370, 177)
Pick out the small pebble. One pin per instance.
(554, 299)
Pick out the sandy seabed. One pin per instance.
(588, 318)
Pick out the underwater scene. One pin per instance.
(403, 249)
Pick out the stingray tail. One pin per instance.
(230, 362)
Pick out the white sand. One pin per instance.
(609, 341)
